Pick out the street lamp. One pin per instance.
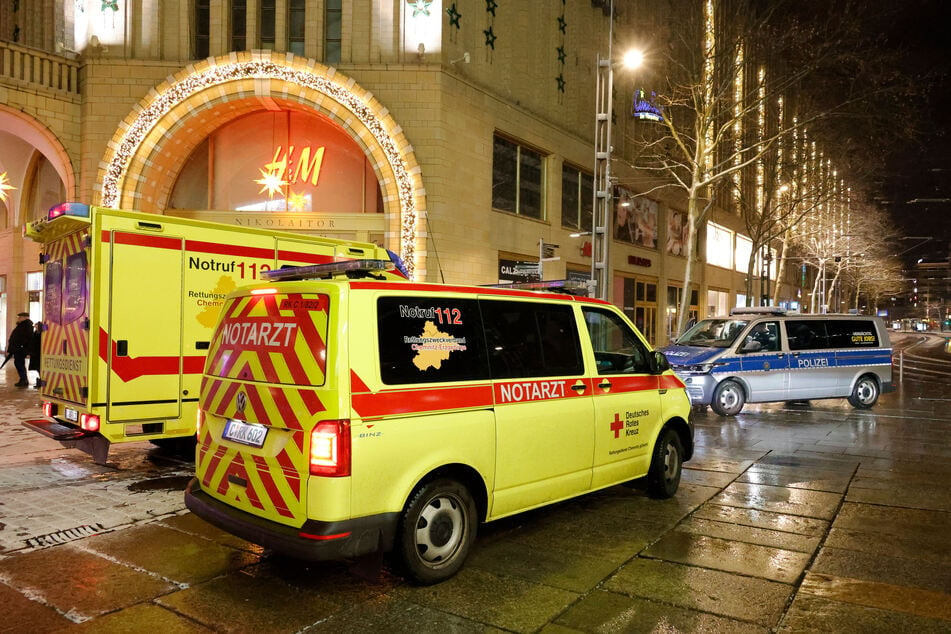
(603, 188)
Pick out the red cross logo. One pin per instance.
(617, 425)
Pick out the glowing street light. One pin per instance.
(603, 187)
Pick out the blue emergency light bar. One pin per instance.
(328, 270)
(572, 287)
(77, 210)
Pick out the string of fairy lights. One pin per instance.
(216, 75)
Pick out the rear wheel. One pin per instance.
(663, 477)
(436, 531)
(865, 393)
(728, 398)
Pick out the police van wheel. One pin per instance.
(436, 531)
(865, 393)
(663, 477)
(728, 398)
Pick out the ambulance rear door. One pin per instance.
(65, 342)
(143, 345)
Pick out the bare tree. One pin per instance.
(721, 124)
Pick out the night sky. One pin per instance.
(920, 168)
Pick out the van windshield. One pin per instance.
(713, 333)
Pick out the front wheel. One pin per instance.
(663, 477)
(728, 398)
(436, 531)
(865, 393)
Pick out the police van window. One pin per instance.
(617, 349)
(806, 334)
(430, 340)
(852, 333)
(530, 339)
(763, 337)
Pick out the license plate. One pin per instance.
(245, 433)
(71, 415)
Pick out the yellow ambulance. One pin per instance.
(130, 302)
(343, 415)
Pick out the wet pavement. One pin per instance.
(808, 518)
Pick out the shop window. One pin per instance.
(673, 307)
(577, 195)
(744, 250)
(278, 161)
(34, 294)
(239, 25)
(718, 303)
(719, 246)
(517, 178)
(202, 29)
(333, 20)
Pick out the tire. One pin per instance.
(865, 393)
(663, 477)
(728, 398)
(436, 531)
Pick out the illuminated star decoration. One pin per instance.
(561, 82)
(562, 24)
(491, 6)
(454, 15)
(297, 202)
(420, 6)
(271, 182)
(490, 38)
(5, 186)
(110, 4)
(561, 55)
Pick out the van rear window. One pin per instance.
(852, 333)
(813, 334)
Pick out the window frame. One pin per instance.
(522, 153)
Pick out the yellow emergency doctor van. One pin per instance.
(346, 414)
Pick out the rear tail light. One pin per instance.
(49, 409)
(89, 422)
(330, 449)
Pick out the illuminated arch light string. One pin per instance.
(179, 91)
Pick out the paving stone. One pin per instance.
(79, 584)
(809, 614)
(817, 504)
(839, 562)
(495, 600)
(730, 556)
(603, 611)
(739, 597)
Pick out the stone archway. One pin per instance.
(138, 170)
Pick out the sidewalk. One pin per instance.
(808, 519)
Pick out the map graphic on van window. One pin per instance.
(433, 346)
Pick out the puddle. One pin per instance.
(168, 483)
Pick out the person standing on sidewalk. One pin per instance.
(35, 346)
(19, 346)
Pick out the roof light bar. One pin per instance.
(573, 287)
(758, 310)
(79, 210)
(328, 270)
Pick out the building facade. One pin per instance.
(459, 134)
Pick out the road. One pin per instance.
(789, 518)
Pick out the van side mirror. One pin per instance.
(658, 362)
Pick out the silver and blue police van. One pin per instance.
(758, 355)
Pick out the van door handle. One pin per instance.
(604, 385)
(579, 387)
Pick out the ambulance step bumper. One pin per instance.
(57, 430)
(72, 437)
(314, 541)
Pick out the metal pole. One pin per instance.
(603, 194)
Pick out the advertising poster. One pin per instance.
(677, 233)
(635, 219)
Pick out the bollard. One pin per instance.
(901, 366)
